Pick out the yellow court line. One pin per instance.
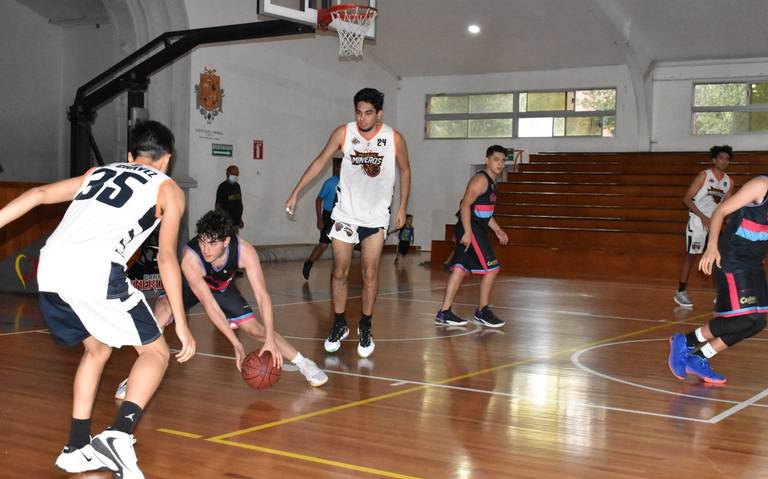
(363, 402)
(180, 433)
(292, 455)
(315, 459)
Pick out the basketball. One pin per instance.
(258, 372)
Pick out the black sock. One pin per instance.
(339, 318)
(365, 321)
(681, 287)
(79, 433)
(127, 417)
(691, 340)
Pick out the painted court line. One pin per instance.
(24, 332)
(394, 394)
(576, 360)
(733, 410)
(180, 433)
(293, 455)
(552, 311)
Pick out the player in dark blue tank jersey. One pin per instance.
(738, 254)
(474, 251)
(209, 263)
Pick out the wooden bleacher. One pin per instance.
(600, 214)
(29, 228)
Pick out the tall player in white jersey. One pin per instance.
(85, 296)
(372, 152)
(710, 188)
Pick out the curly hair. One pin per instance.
(716, 150)
(215, 225)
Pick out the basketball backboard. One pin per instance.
(305, 11)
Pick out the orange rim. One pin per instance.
(325, 15)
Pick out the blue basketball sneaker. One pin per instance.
(700, 367)
(678, 352)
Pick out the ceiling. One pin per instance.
(429, 37)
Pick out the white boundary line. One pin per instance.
(550, 311)
(738, 405)
(733, 410)
(400, 382)
(25, 332)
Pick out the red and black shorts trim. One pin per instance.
(479, 258)
(740, 292)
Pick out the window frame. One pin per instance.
(515, 114)
(760, 107)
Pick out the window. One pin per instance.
(524, 114)
(728, 108)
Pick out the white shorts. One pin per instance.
(114, 322)
(695, 235)
(351, 233)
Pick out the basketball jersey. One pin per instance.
(218, 279)
(406, 234)
(367, 179)
(111, 215)
(711, 193)
(743, 243)
(484, 205)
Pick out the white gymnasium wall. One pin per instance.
(42, 65)
(30, 124)
(673, 95)
(290, 93)
(441, 168)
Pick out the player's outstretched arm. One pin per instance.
(58, 192)
(333, 145)
(404, 166)
(194, 274)
(249, 261)
(171, 204)
(754, 191)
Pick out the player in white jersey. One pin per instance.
(85, 296)
(372, 152)
(707, 191)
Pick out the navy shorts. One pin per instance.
(479, 258)
(235, 307)
(740, 292)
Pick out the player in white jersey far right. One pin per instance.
(710, 188)
(85, 296)
(372, 153)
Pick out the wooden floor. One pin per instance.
(575, 385)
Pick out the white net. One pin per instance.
(352, 23)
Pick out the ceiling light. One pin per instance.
(473, 29)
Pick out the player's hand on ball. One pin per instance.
(239, 355)
(710, 256)
(271, 346)
(188, 344)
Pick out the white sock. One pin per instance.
(700, 336)
(708, 350)
(299, 358)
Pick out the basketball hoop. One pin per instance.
(352, 22)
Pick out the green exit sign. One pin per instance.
(220, 149)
